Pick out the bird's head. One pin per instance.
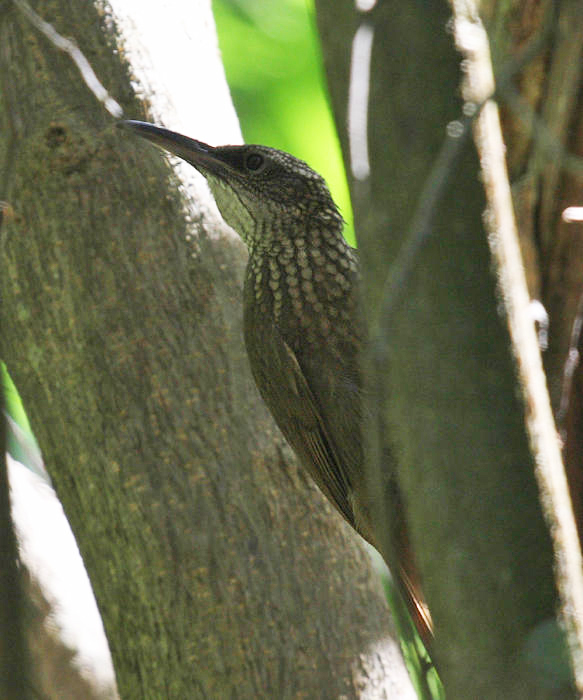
(261, 192)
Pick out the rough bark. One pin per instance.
(454, 413)
(543, 132)
(219, 570)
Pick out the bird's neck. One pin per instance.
(288, 240)
(301, 275)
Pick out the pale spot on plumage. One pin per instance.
(302, 258)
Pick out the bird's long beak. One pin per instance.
(199, 154)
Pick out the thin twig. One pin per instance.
(68, 46)
(571, 364)
(457, 136)
(550, 144)
(420, 230)
(503, 238)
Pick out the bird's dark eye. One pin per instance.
(254, 161)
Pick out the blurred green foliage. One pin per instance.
(272, 59)
(12, 403)
(20, 441)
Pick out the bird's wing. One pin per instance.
(284, 388)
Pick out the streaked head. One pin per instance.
(256, 188)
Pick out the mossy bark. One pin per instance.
(219, 570)
(451, 402)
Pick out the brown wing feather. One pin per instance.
(295, 410)
(335, 460)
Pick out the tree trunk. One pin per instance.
(450, 402)
(219, 569)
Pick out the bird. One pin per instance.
(304, 329)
